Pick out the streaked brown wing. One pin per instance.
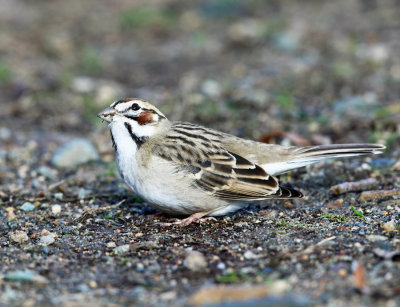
(225, 174)
(251, 182)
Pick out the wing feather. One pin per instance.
(223, 173)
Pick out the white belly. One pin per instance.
(159, 183)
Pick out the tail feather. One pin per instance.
(340, 150)
(302, 156)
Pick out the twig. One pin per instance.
(359, 277)
(375, 195)
(361, 185)
(310, 249)
(54, 185)
(85, 215)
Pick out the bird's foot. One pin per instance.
(197, 217)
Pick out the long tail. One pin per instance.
(302, 156)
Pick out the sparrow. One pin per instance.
(184, 169)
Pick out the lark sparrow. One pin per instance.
(185, 169)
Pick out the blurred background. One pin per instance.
(290, 72)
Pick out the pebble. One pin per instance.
(47, 172)
(5, 133)
(56, 209)
(376, 52)
(221, 266)
(211, 88)
(18, 236)
(83, 85)
(246, 31)
(168, 296)
(26, 276)
(27, 206)
(249, 255)
(342, 272)
(122, 249)
(195, 261)
(74, 153)
(107, 92)
(390, 226)
(58, 196)
(286, 41)
(82, 193)
(47, 238)
(376, 238)
(10, 213)
(111, 244)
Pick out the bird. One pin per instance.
(185, 169)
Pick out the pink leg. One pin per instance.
(195, 217)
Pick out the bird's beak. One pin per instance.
(107, 114)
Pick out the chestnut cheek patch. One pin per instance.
(145, 118)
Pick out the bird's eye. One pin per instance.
(135, 107)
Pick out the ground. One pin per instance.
(288, 72)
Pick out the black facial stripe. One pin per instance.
(135, 118)
(138, 140)
(113, 141)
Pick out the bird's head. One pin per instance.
(139, 116)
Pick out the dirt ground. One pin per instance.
(287, 72)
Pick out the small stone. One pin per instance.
(56, 209)
(111, 244)
(168, 296)
(47, 172)
(83, 85)
(26, 276)
(18, 236)
(376, 238)
(195, 261)
(211, 88)
(107, 92)
(287, 41)
(246, 31)
(47, 238)
(390, 226)
(221, 266)
(342, 273)
(249, 255)
(58, 196)
(5, 133)
(139, 267)
(92, 284)
(27, 206)
(82, 288)
(10, 213)
(73, 153)
(82, 193)
(122, 249)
